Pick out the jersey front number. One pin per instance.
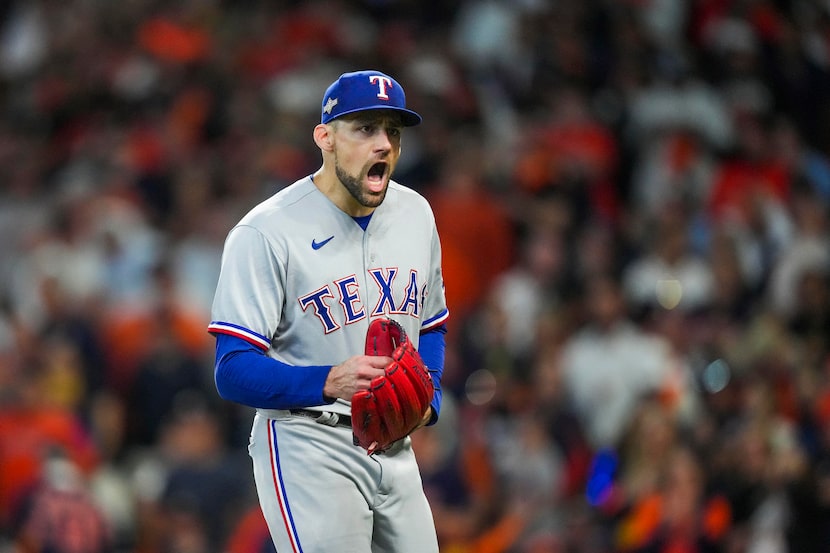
(342, 301)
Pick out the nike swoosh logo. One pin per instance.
(317, 245)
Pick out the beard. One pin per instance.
(353, 184)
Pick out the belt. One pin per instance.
(324, 417)
(330, 418)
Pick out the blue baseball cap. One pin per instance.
(364, 90)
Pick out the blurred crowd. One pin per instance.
(633, 198)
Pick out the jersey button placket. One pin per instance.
(368, 258)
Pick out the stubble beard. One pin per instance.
(354, 186)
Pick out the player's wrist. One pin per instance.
(329, 395)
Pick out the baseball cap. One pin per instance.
(364, 90)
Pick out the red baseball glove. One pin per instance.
(395, 402)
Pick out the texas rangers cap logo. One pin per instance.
(365, 90)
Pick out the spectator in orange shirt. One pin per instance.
(476, 231)
(32, 430)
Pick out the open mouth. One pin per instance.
(377, 172)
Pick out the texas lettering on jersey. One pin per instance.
(343, 302)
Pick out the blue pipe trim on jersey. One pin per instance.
(219, 327)
(432, 348)
(245, 374)
(429, 324)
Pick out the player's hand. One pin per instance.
(354, 374)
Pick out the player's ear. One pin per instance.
(323, 137)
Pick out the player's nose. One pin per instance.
(383, 141)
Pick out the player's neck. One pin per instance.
(331, 187)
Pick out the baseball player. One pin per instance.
(304, 277)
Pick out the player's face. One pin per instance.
(366, 152)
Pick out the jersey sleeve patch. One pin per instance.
(219, 327)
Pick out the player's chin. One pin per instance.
(373, 199)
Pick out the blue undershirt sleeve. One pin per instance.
(245, 374)
(432, 347)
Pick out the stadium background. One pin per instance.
(633, 197)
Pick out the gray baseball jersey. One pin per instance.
(302, 280)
